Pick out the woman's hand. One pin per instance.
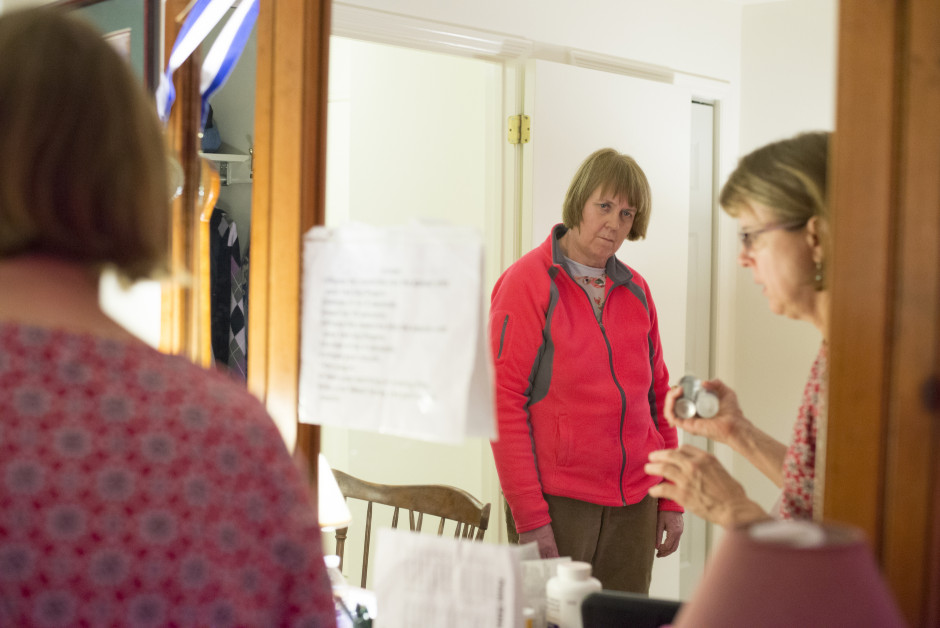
(545, 538)
(697, 480)
(669, 526)
(723, 427)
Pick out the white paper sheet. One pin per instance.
(392, 335)
(426, 580)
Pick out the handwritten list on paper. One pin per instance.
(358, 333)
(392, 336)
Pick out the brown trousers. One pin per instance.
(619, 542)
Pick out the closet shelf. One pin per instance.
(226, 152)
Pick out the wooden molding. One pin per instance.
(288, 198)
(913, 426)
(178, 305)
(885, 273)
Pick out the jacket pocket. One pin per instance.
(500, 335)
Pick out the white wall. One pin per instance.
(787, 85)
(777, 61)
(655, 35)
(696, 36)
(410, 138)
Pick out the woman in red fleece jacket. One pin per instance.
(581, 383)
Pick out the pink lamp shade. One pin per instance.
(787, 574)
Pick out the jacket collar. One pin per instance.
(616, 270)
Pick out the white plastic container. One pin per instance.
(565, 592)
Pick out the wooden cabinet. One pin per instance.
(883, 440)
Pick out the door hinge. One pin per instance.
(519, 129)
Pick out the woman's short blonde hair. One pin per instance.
(617, 175)
(787, 176)
(84, 173)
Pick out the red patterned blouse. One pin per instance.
(137, 489)
(799, 464)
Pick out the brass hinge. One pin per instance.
(519, 129)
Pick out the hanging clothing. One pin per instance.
(228, 295)
(238, 319)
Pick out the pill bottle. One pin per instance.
(565, 592)
(528, 617)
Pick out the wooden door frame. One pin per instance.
(884, 420)
(288, 198)
(179, 314)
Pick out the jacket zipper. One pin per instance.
(613, 376)
(623, 409)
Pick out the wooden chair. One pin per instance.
(471, 516)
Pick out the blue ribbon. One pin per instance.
(202, 18)
(226, 50)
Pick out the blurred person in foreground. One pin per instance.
(135, 487)
(778, 195)
(581, 382)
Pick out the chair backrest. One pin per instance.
(469, 514)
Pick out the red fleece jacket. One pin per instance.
(579, 403)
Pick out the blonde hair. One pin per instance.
(617, 175)
(85, 167)
(787, 176)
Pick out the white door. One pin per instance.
(413, 135)
(699, 334)
(575, 111)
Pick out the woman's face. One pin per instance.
(781, 262)
(605, 223)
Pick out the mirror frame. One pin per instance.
(288, 198)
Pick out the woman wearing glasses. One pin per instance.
(778, 195)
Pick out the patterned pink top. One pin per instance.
(799, 463)
(137, 489)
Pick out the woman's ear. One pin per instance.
(816, 234)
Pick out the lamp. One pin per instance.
(331, 504)
(791, 573)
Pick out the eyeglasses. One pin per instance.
(747, 238)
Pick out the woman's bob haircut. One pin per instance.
(617, 175)
(84, 173)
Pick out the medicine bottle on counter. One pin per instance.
(565, 592)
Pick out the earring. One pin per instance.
(819, 276)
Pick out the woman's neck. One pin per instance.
(46, 291)
(820, 315)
